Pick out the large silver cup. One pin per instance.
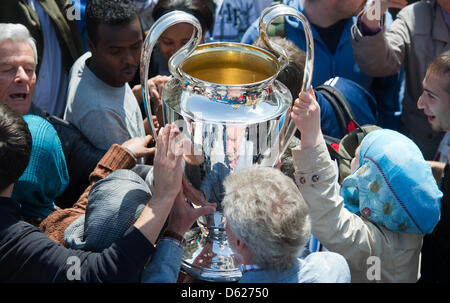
(226, 101)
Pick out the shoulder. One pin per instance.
(81, 81)
(252, 33)
(417, 16)
(80, 62)
(326, 267)
(25, 240)
(298, 4)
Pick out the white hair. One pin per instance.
(18, 33)
(265, 210)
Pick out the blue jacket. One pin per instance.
(341, 64)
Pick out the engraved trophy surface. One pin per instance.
(224, 98)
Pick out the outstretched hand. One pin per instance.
(183, 215)
(306, 116)
(167, 162)
(139, 146)
(194, 195)
(372, 13)
(155, 87)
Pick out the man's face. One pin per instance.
(117, 53)
(435, 101)
(17, 75)
(234, 136)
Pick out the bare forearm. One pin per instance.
(154, 216)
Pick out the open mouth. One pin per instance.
(431, 118)
(129, 72)
(18, 97)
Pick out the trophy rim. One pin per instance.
(282, 107)
(243, 47)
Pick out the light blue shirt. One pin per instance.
(232, 18)
(320, 267)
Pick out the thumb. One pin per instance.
(150, 150)
(148, 139)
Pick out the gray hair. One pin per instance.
(18, 33)
(268, 214)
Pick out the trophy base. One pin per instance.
(208, 257)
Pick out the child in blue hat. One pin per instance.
(377, 219)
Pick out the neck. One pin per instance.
(247, 257)
(7, 192)
(321, 13)
(99, 73)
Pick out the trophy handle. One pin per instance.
(151, 39)
(267, 17)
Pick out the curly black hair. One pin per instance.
(108, 12)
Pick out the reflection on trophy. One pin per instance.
(225, 100)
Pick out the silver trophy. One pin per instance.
(224, 98)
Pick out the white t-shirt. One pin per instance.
(104, 114)
(443, 152)
(51, 86)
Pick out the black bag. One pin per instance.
(343, 150)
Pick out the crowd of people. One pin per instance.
(81, 175)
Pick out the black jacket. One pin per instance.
(20, 11)
(81, 157)
(27, 255)
(435, 264)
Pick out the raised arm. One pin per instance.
(380, 52)
(334, 226)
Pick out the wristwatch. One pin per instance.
(175, 236)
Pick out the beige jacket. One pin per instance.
(417, 36)
(352, 236)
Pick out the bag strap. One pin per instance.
(344, 113)
(332, 144)
(341, 118)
